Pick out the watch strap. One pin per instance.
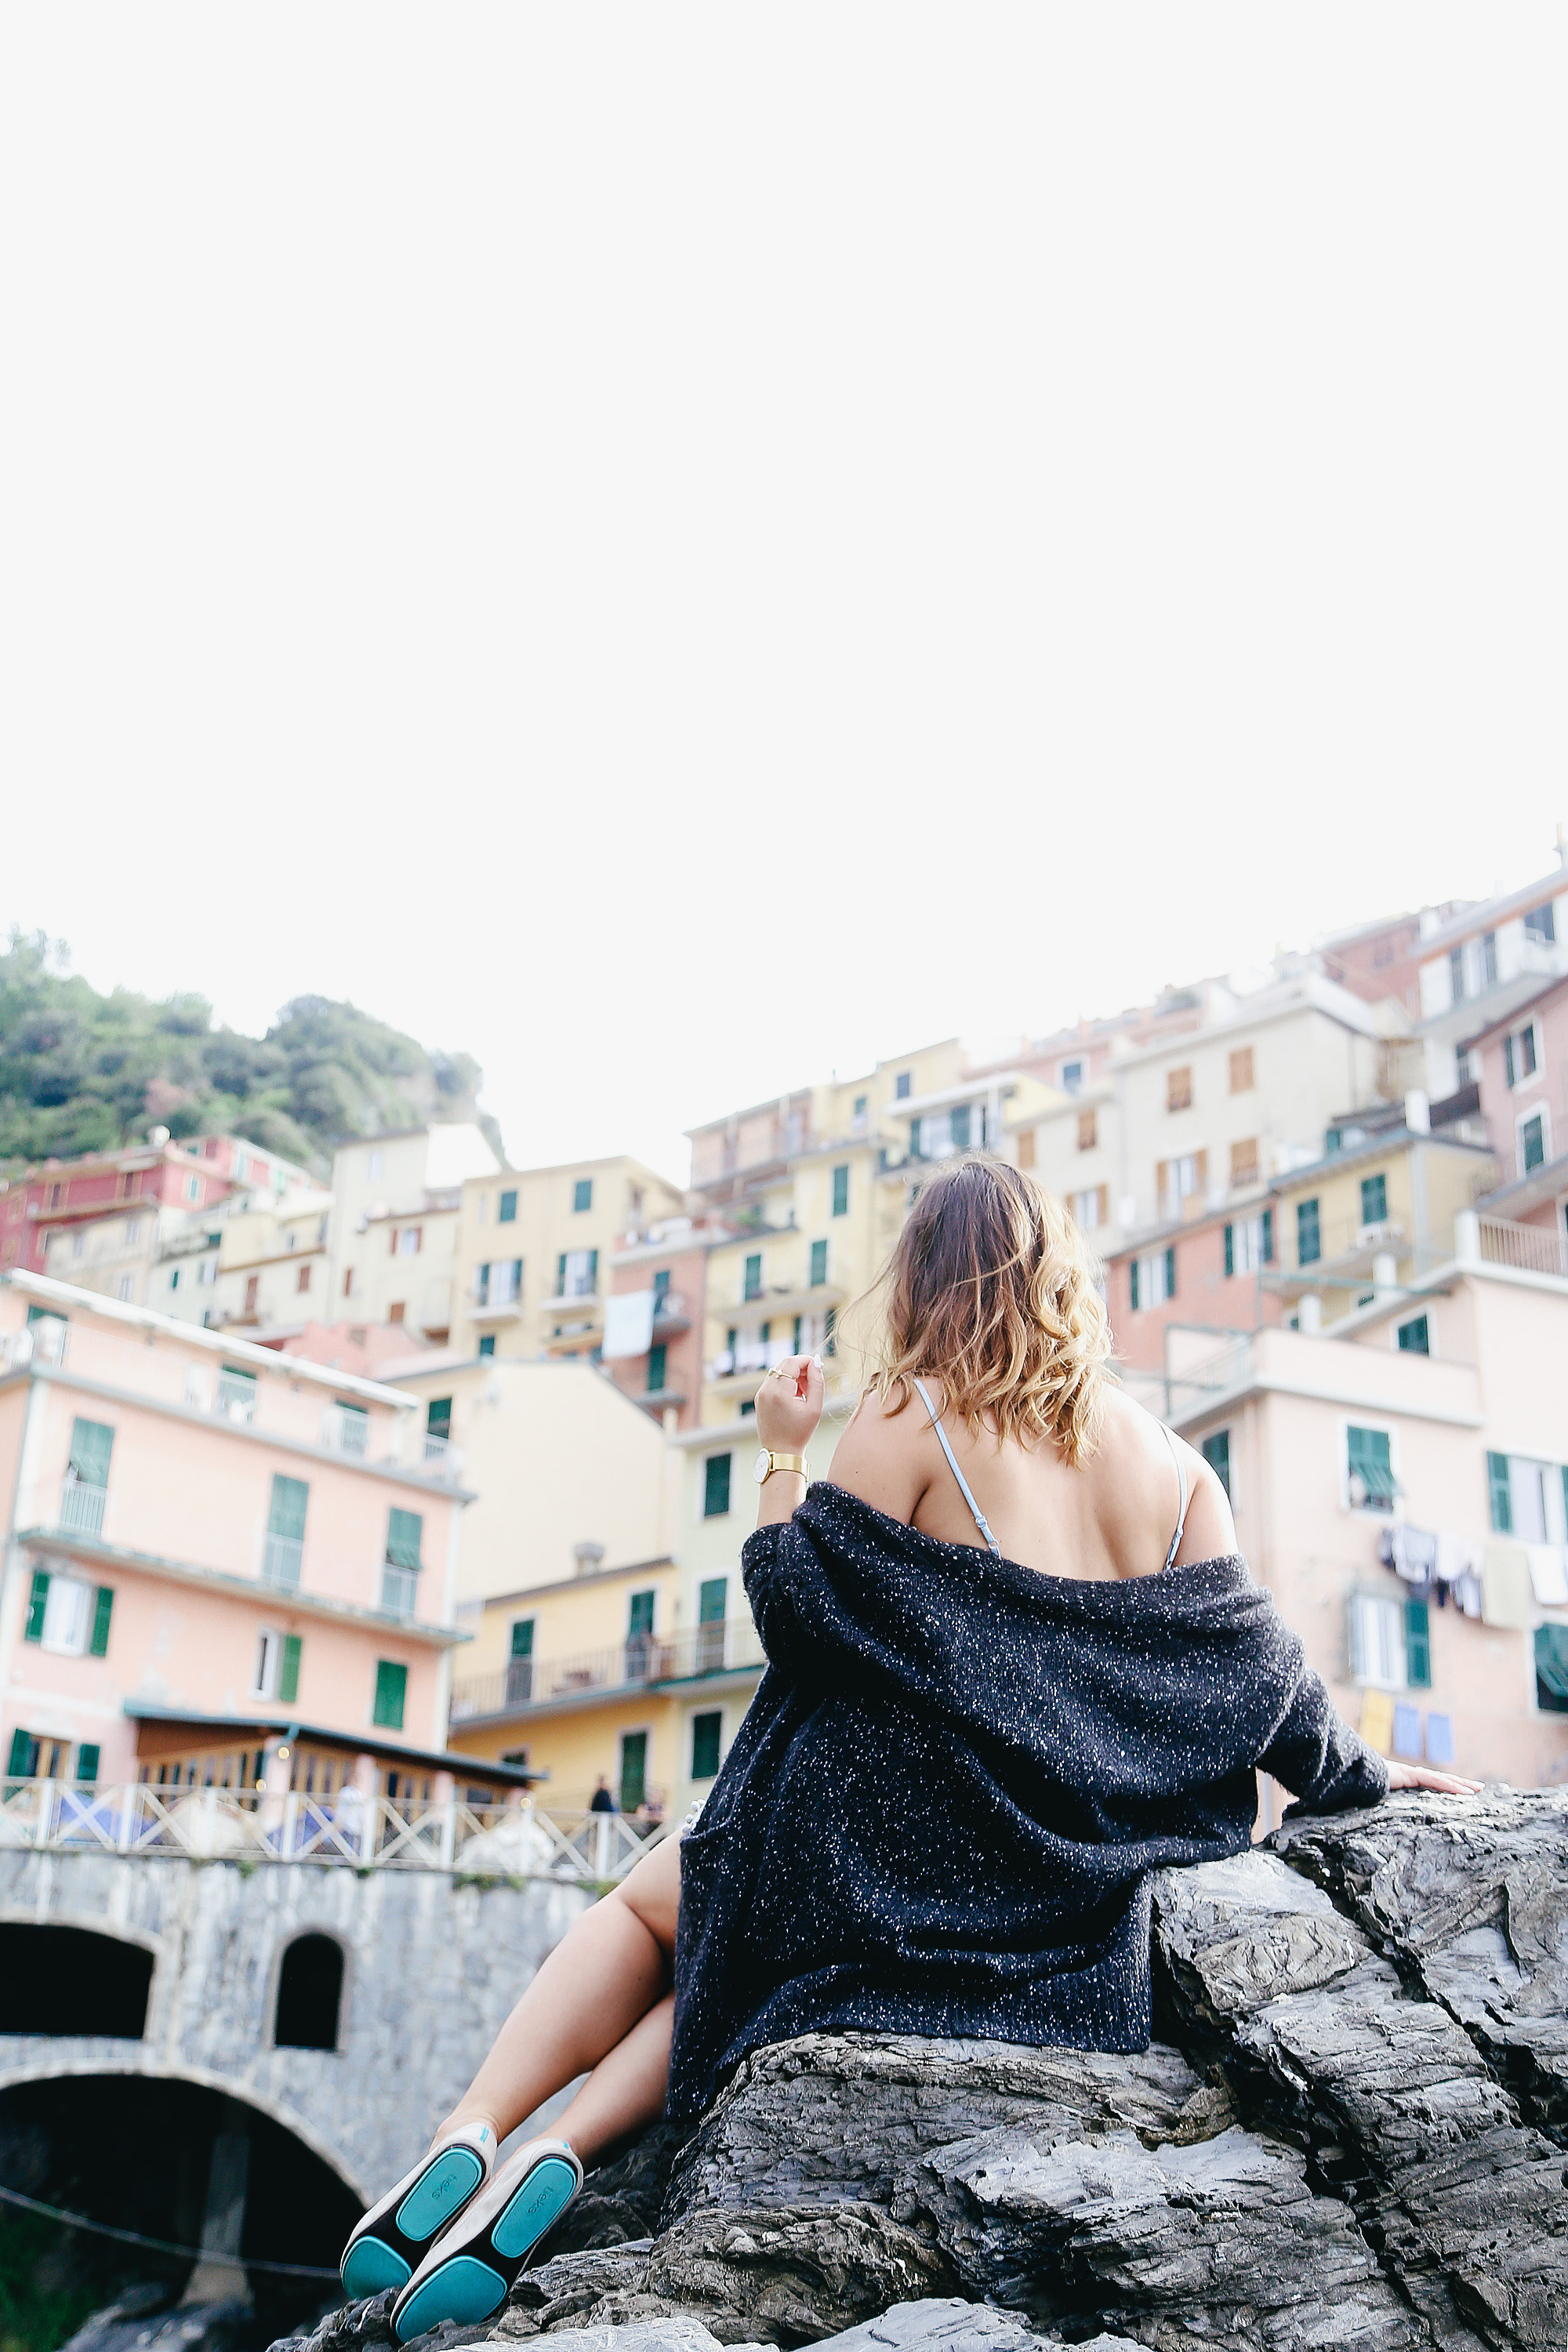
(796, 1462)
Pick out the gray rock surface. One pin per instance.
(1351, 2135)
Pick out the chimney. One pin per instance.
(588, 1557)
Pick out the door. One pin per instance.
(634, 1770)
(712, 1596)
(639, 1636)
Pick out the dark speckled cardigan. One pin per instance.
(940, 1813)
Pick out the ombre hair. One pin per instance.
(991, 1290)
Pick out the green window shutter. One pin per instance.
(1498, 1496)
(86, 1764)
(657, 1357)
(289, 1670)
(958, 1126)
(715, 1486)
(634, 1770)
(1216, 1453)
(1268, 1236)
(639, 1615)
(561, 1276)
(582, 1196)
(1229, 1251)
(92, 1442)
(287, 1516)
(915, 1139)
(712, 1596)
(439, 1417)
(487, 1344)
(103, 1609)
(37, 1601)
(841, 1192)
(1352, 1638)
(818, 1264)
(1369, 1459)
(1374, 1199)
(1132, 1279)
(753, 1274)
(830, 1332)
(705, 1731)
(1417, 1646)
(391, 1688)
(508, 1214)
(404, 1530)
(522, 1638)
(24, 1755)
(593, 1270)
(1171, 1272)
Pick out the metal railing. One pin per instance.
(81, 1508)
(235, 1399)
(748, 1356)
(345, 1430)
(282, 1557)
(248, 1825)
(639, 1662)
(1527, 1249)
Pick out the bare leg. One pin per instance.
(594, 1992)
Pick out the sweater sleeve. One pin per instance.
(1314, 1752)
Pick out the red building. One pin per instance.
(60, 1193)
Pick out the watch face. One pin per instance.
(760, 1468)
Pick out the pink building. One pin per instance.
(63, 1194)
(653, 1325)
(1520, 1062)
(223, 1565)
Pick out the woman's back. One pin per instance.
(1111, 1516)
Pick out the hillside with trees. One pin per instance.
(82, 1072)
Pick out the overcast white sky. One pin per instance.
(680, 549)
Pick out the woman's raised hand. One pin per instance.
(1416, 1775)
(789, 1404)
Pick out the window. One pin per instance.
(1551, 1672)
(1244, 1163)
(1181, 1180)
(640, 1635)
(841, 1192)
(407, 1239)
(122, 1290)
(634, 1770)
(1377, 1642)
(915, 1145)
(348, 1282)
(67, 1615)
(1521, 1054)
(1370, 1483)
(252, 1286)
(577, 1272)
(1241, 1077)
(520, 1664)
(1250, 1244)
(1179, 1089)
(373, 1165)
(175, 1279)
(1456, 975)
(192, 1188)
(506, 1214)
(706, 1732)
(658, 1362)
(391, 1690)
(716, 1485)
(1418, 1644)
(818, 1264)
(1090, 1207)
(1152, 1279)
(830, 1332)
(1541, 923)
(86, 1764)
(958, 1126)
(302, 1281)
(1308, 1238)
(277, 1668)
(1531, 1142)
(310, 1994)
(901, 1085)
(1374, 1200)
(1415, 1336)
(405, 1533)
(1216, 1453)
(1088, 1129)
(132, 1231)
(661, 1287)
(582, 1196)
(487, 1344)
(751, 1286)
(283, 1553)
(438, 1418)
(712, 1601)
(1025, 1147)
(1489, 958)
(1072, 1076)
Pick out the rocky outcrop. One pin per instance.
(1351, 2133)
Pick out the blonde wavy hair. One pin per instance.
(991, 1290)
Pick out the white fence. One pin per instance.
(1530, 1249)
(512, 1841)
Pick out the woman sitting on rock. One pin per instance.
(1016, 1665)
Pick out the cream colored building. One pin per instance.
(393, 1252)
(532, 1255)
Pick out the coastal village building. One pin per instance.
(533, 1251)
(1519, 1063)
(222, 1566)
(395, 1224)
(655, 1316)
(102, 1222)
(1476, 969)
(1405, 1503)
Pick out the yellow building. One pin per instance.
(394, 1225)
(532, 1261)
(1372, 1216)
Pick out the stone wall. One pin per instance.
(432, 1967)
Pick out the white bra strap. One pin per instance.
(1182, 1479)
(974, 1511)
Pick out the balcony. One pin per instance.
(589, 1677)
(492, 1311)
(281, 1559)
(344, 1431)
(399, 1591)
(234, 1398)
(1526, 1249)
(81, 1508)
(671, 1314)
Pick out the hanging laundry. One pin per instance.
(1377, 1720)
(1410, 1552)
(1548, 1575)
(1458, 1556)
(1439, 1738)
(1467, 1592)
(1507, 1597)
(1407, 1732)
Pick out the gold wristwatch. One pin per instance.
(766, 1464)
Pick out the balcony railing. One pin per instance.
(748, 1356)
(281, 1559)
(1527, 1249)
(642, 1662)
(249, 1826)
(81, 1508)
(399, 1590)
(671, 1312)
(235, 1399)
(345, 1430)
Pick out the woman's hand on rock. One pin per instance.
(1447, 1784)
(789, 1404)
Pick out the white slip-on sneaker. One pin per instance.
(469, 2272)
(392, 2240)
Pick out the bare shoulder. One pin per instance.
(879, 1457)
(1143, 1491)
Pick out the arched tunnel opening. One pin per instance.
(72, 1981)
(178, 2163)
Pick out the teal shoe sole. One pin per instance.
(473, 2283)
(389, 2252)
